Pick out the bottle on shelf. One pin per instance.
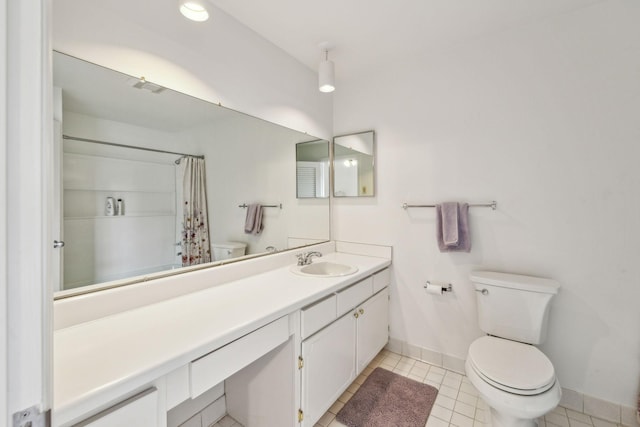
(120, 207)
(110, 207)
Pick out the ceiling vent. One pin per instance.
(141, 83)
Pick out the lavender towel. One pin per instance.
(460, 240)
(253, 221)
(449, 213)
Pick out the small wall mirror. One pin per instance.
(312, 169)
(353, 165)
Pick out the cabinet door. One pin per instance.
(373, 327)
(329, 367)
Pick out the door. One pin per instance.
(25, 235)
(329, 367)
(373, 327)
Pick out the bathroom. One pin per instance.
(539, 114)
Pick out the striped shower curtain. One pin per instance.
(195, 224)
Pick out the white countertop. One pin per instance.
(99, 361)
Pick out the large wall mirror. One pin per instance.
(155, 182)
(354, 165)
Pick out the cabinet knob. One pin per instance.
(361, 311)
(356, 315)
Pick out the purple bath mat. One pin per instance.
(387, 399)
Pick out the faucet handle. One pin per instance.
(301, 258)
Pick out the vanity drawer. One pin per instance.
(316, 316)
(354, 295)
(381, 280)
(213, 368)
(140, 410)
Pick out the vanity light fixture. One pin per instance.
(194, 10)
(326, 74)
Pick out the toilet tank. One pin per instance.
(513, 306)
(228, 250)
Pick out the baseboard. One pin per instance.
(571, 399)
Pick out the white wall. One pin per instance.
(545, 120)
(218, 60)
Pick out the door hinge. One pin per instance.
(32, 417)
(300, 415)
(300, 362)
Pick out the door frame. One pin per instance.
(25, 253)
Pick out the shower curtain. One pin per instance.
(195, 225)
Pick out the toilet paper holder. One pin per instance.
(444, 288)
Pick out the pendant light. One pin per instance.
(326, 74)
(194, 10)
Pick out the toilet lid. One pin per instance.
(512, 366)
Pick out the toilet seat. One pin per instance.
(511, 366)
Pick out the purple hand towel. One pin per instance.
(258, 225)
(449, 213)
(462, 229)
(253, 221)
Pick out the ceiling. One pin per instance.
(365, 33)
(362, 34)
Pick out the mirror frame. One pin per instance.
(133, 280)
(373, 164)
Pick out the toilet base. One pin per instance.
(500, 419)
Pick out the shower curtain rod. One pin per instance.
(113, 144)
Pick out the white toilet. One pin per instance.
(228, 250)
(514, 378)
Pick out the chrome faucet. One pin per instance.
(306, 257)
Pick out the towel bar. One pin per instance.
(244, 205)
(493, 205)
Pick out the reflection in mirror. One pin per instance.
(353, 165)
(312, 169)
(154, 180)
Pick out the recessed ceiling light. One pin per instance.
(194, 10)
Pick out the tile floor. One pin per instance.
(226, 421)
(457, 404)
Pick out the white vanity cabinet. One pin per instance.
(246, 337)
(332, 358)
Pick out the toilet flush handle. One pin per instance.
(483, 291)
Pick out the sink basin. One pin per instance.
(324, 269)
